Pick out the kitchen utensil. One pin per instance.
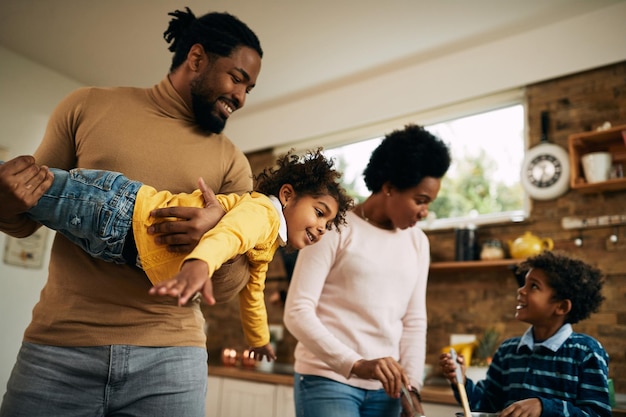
(409, 399)
(460, 385)
(479, 414)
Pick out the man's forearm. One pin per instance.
(20, 226)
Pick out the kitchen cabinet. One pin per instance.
(213, 396)
(228, 397)
(284, 401)
(230, 387)
(610, 140)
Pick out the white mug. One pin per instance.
(597, 166)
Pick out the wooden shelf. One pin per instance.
(479, 265)
(614, 184)
(611, 140)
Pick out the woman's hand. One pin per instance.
(386, 370)
(183, 233)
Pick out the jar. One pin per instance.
(492, 249)
(466, 244)
(229, 356)
(248, 359)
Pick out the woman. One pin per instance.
(357, 300)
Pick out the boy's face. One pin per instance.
(536, 303)
(308, 218)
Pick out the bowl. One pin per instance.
(478, 414)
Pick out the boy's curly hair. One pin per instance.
(311, 174)
(571, 279)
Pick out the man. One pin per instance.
(98, 343)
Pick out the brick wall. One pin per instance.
(473, 301)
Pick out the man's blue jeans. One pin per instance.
(107, 381)
(92, 208)
(316, 396)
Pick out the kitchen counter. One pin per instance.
(254, 375)
(282, 374)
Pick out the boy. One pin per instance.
(108, 215)
(550, 370)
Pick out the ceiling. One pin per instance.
(308, 45)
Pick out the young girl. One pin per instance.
(108, 215)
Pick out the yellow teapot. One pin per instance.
(529, 245)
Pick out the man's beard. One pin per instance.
(203, 111)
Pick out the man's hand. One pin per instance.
(22, 183)
(192, 278)
(183, 233)
(386, 370)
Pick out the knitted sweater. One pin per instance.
(568, 373)
(360, 294)
(149, 135)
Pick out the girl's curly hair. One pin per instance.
(571, 279)
(311, 174)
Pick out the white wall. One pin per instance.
(29, 93)
(585, 42)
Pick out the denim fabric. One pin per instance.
(92, 208)
(316, 396)
(107, 381)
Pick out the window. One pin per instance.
(482, 186)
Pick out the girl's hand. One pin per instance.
(192, 278)
(264, 351)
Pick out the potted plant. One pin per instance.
(481, 356)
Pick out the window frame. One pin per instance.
(430, 117)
